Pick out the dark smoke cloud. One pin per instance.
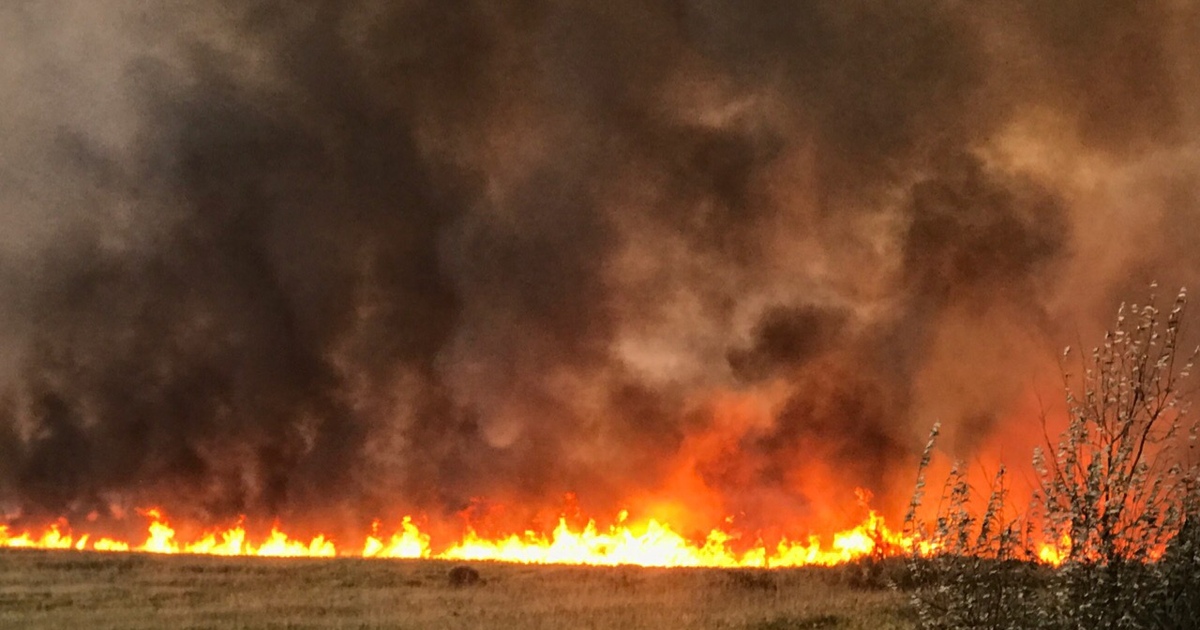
(787, 336)
(329, 259)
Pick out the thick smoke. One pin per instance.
(336, 258)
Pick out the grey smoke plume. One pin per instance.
(332, 258)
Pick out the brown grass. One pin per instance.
(40, 589)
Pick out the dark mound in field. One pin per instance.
(464, 576)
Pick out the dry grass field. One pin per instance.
(40, 589)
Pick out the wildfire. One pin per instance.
(1055, 553)
(231, 542)
(649, 543)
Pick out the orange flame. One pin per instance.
(1055, 553)
(408, 543)
(651, 543)
(646, 543)
(231, 542)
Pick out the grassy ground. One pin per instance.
(87, 590)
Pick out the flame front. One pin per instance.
(409, 542)
(649, 543)
(656, 544)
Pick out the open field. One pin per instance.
(40, 589)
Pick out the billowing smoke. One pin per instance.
(333, 258)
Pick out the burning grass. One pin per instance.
(1110, 540)
(51, 589)
(648, 543)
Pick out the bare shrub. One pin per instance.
(1116, 487)
(1121, 483)
(1178, 598)
(1119, 495)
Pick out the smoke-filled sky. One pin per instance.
(341, 257)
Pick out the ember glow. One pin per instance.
(649, 543)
